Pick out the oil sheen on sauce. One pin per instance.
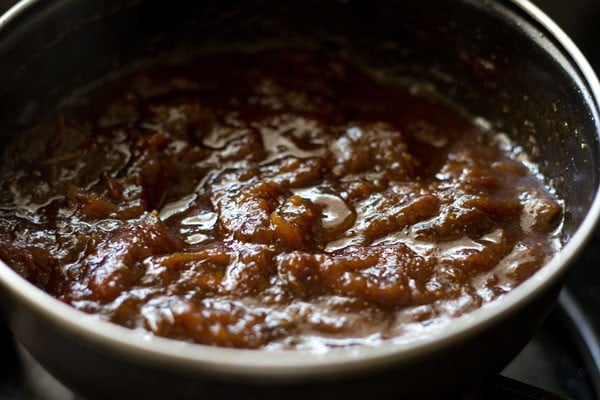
(281, 199)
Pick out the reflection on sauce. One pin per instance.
(336, 214)
(278, 200)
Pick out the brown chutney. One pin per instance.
(280, 199)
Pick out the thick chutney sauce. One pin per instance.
(281, 199)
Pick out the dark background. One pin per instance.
(581, 20)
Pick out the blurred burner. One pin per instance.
(41, 383)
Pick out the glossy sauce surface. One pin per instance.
(281, 199)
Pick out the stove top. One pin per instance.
(561, 361)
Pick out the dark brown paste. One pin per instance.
(280, 199)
